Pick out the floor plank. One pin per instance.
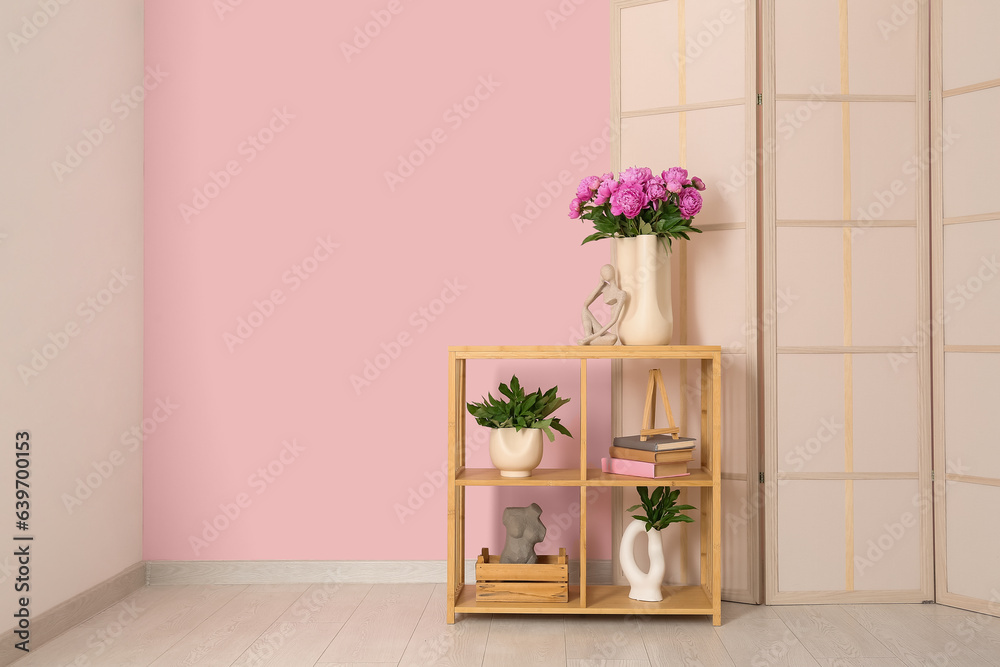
(434, 642)
(326, 603)
(607, 663)
(287, 643)
(227, 633)
(978, 632)
(763, 641)
(914, 639)
(830, 632)
(380, 628)
(732, 611)
(604, 638)
(681, 642)
(518, 641)
(860, 662)
(166, 616)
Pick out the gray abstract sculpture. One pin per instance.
(595, 333)
(524, 531)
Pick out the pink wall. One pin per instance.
(328, 127)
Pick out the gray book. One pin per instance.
(656, 443)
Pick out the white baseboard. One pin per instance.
(74, 611)
(159, 573)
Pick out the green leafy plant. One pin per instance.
(520, 410)
(661, 508)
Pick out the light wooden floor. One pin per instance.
(330, 624)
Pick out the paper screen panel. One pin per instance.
(714, 50)
(967, 342)
(809, 159)
(810, 286)
(974, 541)
(716, 281)
(972, 418)
(700, 121)
(884, 287)
(649, 41)
(735, 523)
(884, 184)
(886, 535)
(972, 283)
(716, 140)
(886, 413)
(811, 413)
(971, 48)
(735, 429)
(972, 137)
(651, 141)
(882, 38)
(811, 535)
(846, 235)
(807, 52)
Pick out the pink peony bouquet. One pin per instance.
(637, 202)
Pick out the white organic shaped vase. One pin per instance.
(643, 267)
(516, 453)
(645, 585)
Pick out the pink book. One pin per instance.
(644, 469)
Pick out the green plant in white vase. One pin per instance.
(518, 423)
(660, 510)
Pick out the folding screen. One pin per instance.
(846, 279)
(965, 81)
(683, 94)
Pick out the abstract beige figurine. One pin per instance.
(594, 332)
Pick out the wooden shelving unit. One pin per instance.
(702, 599)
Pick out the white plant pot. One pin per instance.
(516, 453)
(645, 585)
(643, 268)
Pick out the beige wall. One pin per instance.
(71, 234)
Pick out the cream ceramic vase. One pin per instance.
(516, 453)
(645, 585)
(643, 268)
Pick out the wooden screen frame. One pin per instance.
(751, 351)
(769, 339)
(938, 93)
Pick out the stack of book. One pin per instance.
(657, 456)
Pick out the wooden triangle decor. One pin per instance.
(649, 414)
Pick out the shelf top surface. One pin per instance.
(585, 351)
(571, 477)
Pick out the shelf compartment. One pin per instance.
(677, 600)
(698, 477)
(539, 477)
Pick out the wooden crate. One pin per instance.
(544, 581)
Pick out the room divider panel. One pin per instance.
(845, 269)
(683, 94)
(965, 84)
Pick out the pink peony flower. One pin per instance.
(582, 191)
(607, 188)
(600, 199)
(674, 186)
(676, 174)
(574, 208)
(656, 190)
(689, 202)
(698, 183)
(636, 175)
(628, 200)
(608, 176)
(592, 182)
